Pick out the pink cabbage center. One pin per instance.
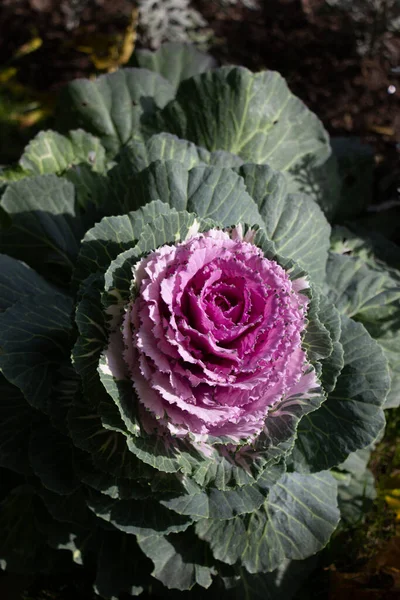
(213, 338)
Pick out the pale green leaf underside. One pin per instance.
(51, 152)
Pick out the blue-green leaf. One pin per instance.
(252, 115)
(296, 521)
(352, 416)
(33, 341)
(175, 61)
(112, 106)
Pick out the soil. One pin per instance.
(64, 26)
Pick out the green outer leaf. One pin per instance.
(294, 223)
(92, 192)
(16, 421)
(137, 155)
(297, 228)
(33, 341)
(216, 504)
(357, 461)
(279, 434)
(359, 290)
(166, 181)
(333, 365)
(268, 247)
(51, 152)
(388, 337)
(109, 484)
(8, 174)
(352, 416)
(376, 250)
(320, 183)
(179, 560)
(90, 320)
(135, 516)
(203, 502)
(219, 194)
(165, 146)
(296, 521)
(175, 61)
(23, 547)
(252, 115)
(107, 447)
(263, 183)
(166, 228)
(18, 280)
(210, 192)
(68, 508)
(112, 106)
(317, 339)
(67, 388)
(367, 290)
(43, 228)
(112, 236)
(51, 455)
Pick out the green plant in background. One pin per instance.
(130, 442)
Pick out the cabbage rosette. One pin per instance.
(213, 338)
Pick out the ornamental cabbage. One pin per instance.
(187, 354)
